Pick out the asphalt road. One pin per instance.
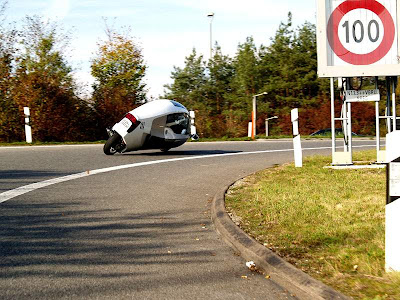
(141, 232)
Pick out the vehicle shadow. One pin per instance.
(157, 153)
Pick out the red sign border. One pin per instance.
(360, 59)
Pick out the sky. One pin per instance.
(166, 30)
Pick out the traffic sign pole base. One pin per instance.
(381, 156)
(341, 158)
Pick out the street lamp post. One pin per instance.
(266, 124)
(211, 16)
(254, 115)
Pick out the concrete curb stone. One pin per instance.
(294, 280)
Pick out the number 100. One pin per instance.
(361, 25)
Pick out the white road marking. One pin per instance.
(34, 186)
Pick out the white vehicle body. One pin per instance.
(159, 124)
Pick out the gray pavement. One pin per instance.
(139, 233)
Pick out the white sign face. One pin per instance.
(357, 38)
(362, 95)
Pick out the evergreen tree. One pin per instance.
(189, 87)
(221, 72)
(188, 82)
(277, 67)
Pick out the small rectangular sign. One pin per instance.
(362, 95)
(394, 180)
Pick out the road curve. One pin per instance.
(139, 232)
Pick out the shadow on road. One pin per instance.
(65, 241)
(178, 153)
(18, 174)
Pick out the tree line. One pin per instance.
(221, 89)
(34, 72)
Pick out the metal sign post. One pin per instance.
(254, 115)
(358, 38)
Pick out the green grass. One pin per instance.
(328, 223)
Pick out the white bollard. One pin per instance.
(250, 129)
(298, 155)
(192, 126)
(28, 129)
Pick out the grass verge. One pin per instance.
(328, 223)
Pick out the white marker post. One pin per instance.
(298, 155)
(192, 126)
(250, 129)
(392, 238)
(28, 129)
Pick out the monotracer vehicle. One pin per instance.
(159, 124)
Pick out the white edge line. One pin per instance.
(38, 185)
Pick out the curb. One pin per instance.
(294, 280)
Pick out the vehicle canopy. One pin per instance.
(158, 108)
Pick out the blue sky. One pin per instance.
(167, 30)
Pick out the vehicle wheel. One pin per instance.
(109, 146)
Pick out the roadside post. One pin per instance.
(392, 210)
(28, 129)
(298, 155)
(192, 126)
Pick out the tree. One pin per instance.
(118, 69)
(189, 82)
(276, 67)
(11, 120)
(246, 82)
(190, 87)
(43, 82)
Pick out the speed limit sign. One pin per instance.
(357, 38)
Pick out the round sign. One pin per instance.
(368, 31)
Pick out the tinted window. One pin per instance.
(179, 123)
